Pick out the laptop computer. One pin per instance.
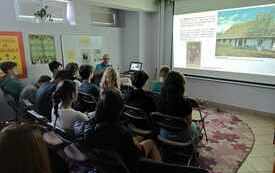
(135, 66)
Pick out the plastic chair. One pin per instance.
(85, 103)
(201, 119)
(126, 90)
(27, 104)
(95, 160)
(13, 103)
(37, 117)
(138, 121)
(174, 151)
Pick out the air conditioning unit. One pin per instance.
(104, 16)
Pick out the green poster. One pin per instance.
(42, 48)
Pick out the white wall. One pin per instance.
(111, 36)
(130, 39)
(249, 97)
(140, 40)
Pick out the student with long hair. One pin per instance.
(110, 80)
(63, 115)
(22, 150)
(109, 134)
(173, 103)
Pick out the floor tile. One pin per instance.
(262, 155)
(261, 150)
(259, 164)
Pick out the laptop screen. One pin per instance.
(135, 66)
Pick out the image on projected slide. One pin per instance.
(193, 53)
(248, 32)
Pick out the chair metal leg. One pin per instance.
(203, 125)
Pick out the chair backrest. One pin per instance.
(137, 117)
(126, 90)
(106, 161)
(145, 165)
(36, 116)
(66, 136)
(12, 102)
(26, 105)
(170, 123)
(155, 96)
(85, 102)
(86, 97)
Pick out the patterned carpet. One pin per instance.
(230, 142)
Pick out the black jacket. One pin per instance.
(140, 99)
(115, 138)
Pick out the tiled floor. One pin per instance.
(260, 160)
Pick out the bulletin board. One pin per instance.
(82, 49)
(42, 48)
(12, 49)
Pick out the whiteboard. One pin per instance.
(82, 49)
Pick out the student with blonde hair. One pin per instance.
(110, 80)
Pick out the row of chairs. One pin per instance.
(148, 126)
(102, 161)
(141, 122)
(134, 118)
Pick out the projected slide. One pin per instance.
(240, 41)
(246, 33)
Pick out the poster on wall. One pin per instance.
(42, 48)
(83, 49)
(12, 49)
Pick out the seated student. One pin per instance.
(173, 103)
(110, 80)
(22, 150)
(73, 70)
(43, 99)
(156, 85)
(29, 92)
(100, 68)
(9, 82)
(138, 97)
(62, 114)
(86, 74)
(110, 135)
(54, 67)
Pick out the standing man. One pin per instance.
(100, 68)
(103, 64)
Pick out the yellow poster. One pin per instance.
(84, 41)
(11, 49)
(71, 55)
